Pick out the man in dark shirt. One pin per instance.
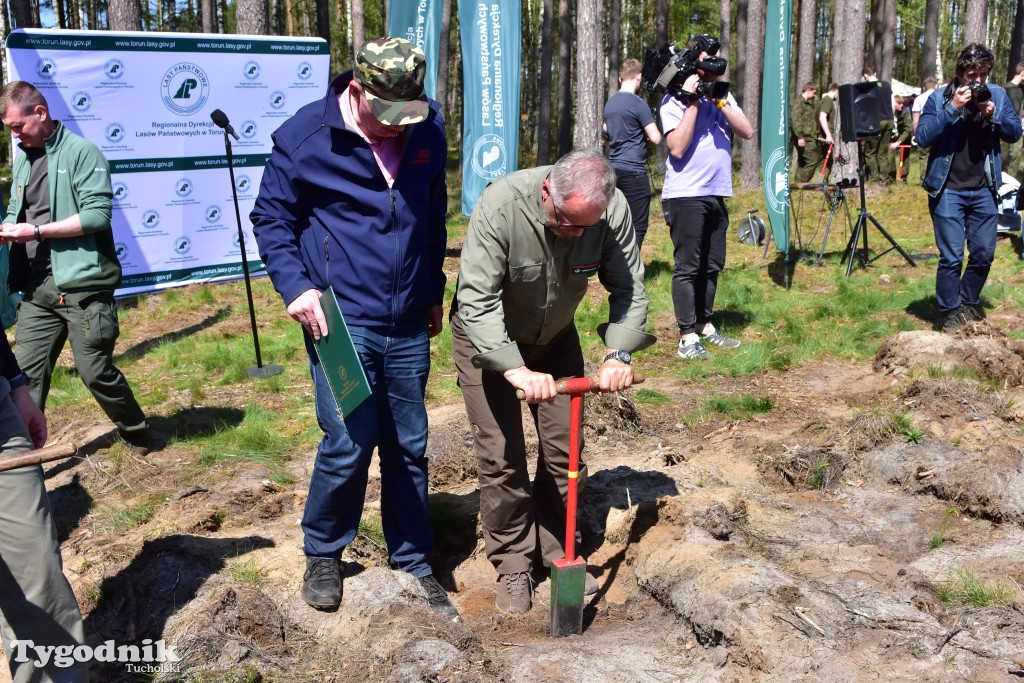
(964, 124)
(630, 124)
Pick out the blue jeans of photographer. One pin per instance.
(959, 217)
(393, 419)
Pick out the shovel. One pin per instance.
(38, 456)
(569, 574)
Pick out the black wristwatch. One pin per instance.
(621, 356)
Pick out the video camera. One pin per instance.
(667, 68)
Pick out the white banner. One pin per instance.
(145, 99)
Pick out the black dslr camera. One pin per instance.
(979, 92)
(666, 69)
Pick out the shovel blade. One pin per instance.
(568, 581)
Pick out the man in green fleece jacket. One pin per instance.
(535, 239)
(63, 258)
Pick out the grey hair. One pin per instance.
(585, 172)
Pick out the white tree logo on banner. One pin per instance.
(150, 219)
(489, 156)
(212, 213)
(185, 88)
(183, 187)
(277, 99)
(251, 70)
(305, 71)
(249, 129)
(182, 245)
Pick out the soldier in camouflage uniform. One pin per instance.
(903, 130)
(353, 197)
(803, 133)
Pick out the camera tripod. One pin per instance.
(861, 228)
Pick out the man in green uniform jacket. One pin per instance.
(63, 258)
(803, 134)
(535, 239)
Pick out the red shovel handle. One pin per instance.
(577, 386)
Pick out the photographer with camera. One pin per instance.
(964, 123)
(699, 117)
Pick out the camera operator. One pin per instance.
(964, 123)
(698, 176)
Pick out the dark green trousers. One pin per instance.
(89, 320)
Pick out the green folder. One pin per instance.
(339, 359)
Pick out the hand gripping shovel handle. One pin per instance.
(38, 456)
(577, 386)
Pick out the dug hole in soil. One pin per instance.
(855, 531)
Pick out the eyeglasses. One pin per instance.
(558, 221)
(984, 54)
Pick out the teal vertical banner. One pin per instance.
(491, 57)
(775, 119)
(419, 22)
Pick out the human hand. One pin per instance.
(987, 109)
(30, 415)
(536, 386)
(17, 233)
(435, 320)
(961, 96)
(800, 142)
(305, 309)
(829, 140)
(614, 376)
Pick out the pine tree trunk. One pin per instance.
(544, 104)
(589, 73)
(124, 15)
(251, 17)
(564, 77)
(750, 154)
(976, 25)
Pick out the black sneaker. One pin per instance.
(974, 313)
(953, 321)
(437, 598)
(321, 584)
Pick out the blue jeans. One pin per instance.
(960, 216)
(393, 419)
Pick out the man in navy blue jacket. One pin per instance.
(963, 124)
(354, 197)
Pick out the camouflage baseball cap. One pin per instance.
(391, 71)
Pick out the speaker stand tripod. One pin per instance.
(861, 227)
